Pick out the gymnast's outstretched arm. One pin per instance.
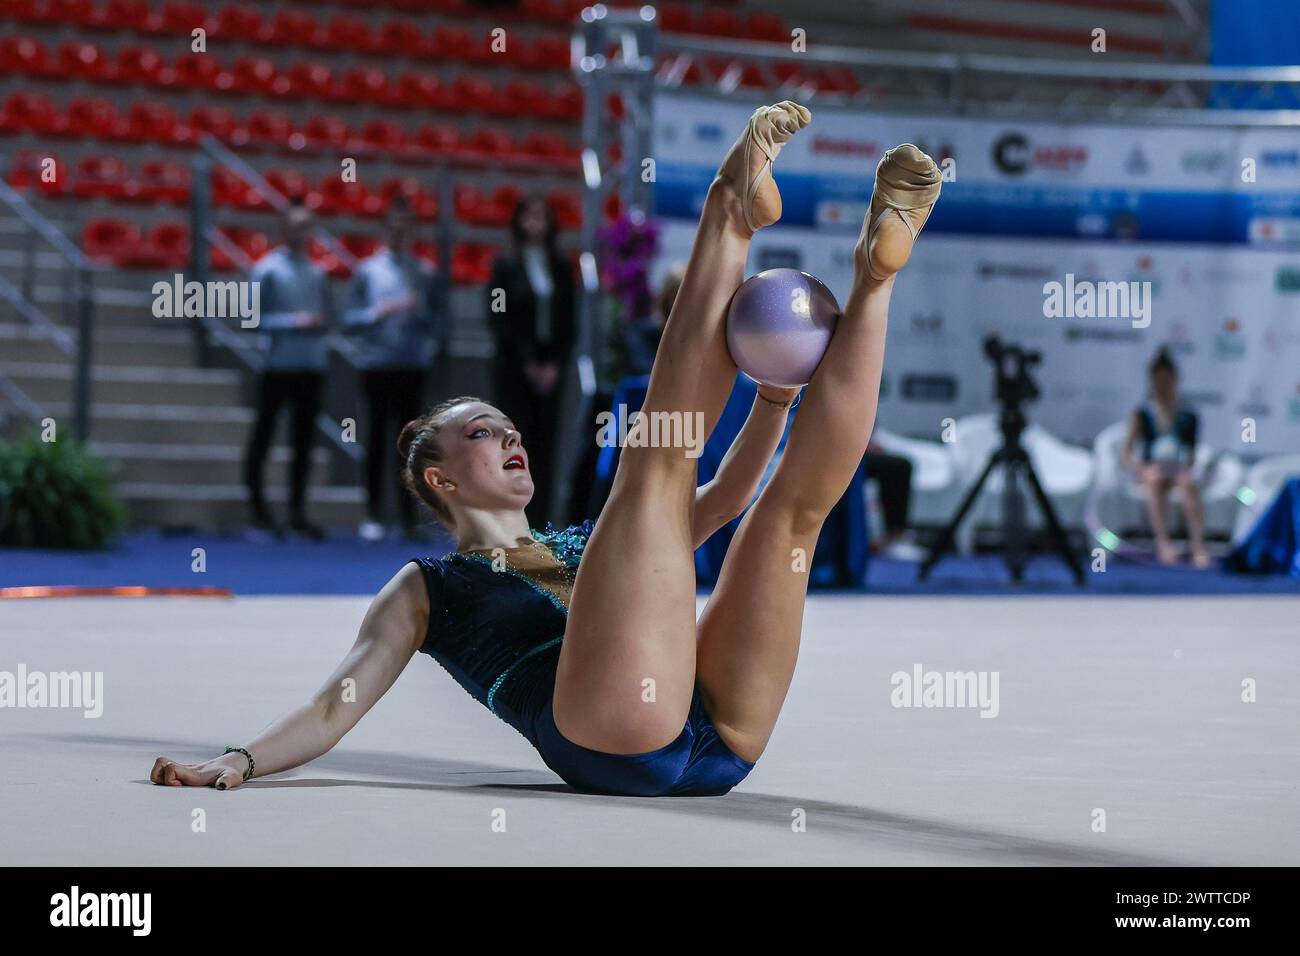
(391, 633)
(733, 487)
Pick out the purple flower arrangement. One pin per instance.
(628, 246)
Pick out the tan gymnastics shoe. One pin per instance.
(769, 129)
(907, 187)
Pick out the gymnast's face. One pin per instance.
(484, 464)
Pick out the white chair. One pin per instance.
(1264, 480)
(1065, 471)
(935, 488)
(1115, 501)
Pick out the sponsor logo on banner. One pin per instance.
(1092, 333)
(927, 324)
(1015, 155)
(1136, 162)
(1255, 406)
(1273, 229)
(1287, 280)
(1146, 272)
(1203, 399)
(1180, 338)
(709, 133)
(844, 146)
(1014, 270)
(1204, 161)
(778, 257)
(929, 387)
(1230, 344)
(1280, 159)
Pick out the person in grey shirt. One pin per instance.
(395, 311)
(294, 330)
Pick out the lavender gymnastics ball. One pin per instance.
(778, 326)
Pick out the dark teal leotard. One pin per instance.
(499, 635)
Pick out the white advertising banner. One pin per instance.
(1188, 238)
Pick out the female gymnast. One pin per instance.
(585, 640)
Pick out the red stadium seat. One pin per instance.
(308, 79)
(423, 203)
(471, 263)
(110, 240)
(231, 191)
(253, 76)
(677, 18)
(501, 205)
(416, 89)
(82, 61)
(28, 113)
(167, 246)
(566, 207)
(489, 145)
(27, 172)
(437, 139)
(549, 53)
(325, 132)
(139, 66)
(450, 43)
(269, 129)
(99, 177)
(524, 100)
(178, 18)
(384, 137)
(202, 72)
(292, 184)
(252, 243)
(349, 199)
(347, 33)
(326, 260)
(766, 26)
(90, 116)
(359, 245)
(550, 148)
(26, 56)
(563, 104)
(720, 22)
(361, 84)
(149, 121)
(216, 121)
(161, 180)
(469, 93)
(290, 28)
(401, 38)
(239, 23)
(124, 15)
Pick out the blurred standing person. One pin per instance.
(1164, 429)
(393, 306)
(530, 308)
(294, 323)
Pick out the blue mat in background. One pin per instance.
(347, 566)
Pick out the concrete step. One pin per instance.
(124, 384)
(162, 424)
(168, 348)
(196, 464)
(223, 508)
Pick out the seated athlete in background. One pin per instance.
(585, 640)
(1164, 429)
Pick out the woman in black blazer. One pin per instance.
(530, 310)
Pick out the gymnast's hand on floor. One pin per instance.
(224, 773)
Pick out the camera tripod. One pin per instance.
(1016, 468)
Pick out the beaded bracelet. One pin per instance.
(240, 750)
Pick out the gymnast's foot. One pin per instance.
(747, 171)
(907, 187)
